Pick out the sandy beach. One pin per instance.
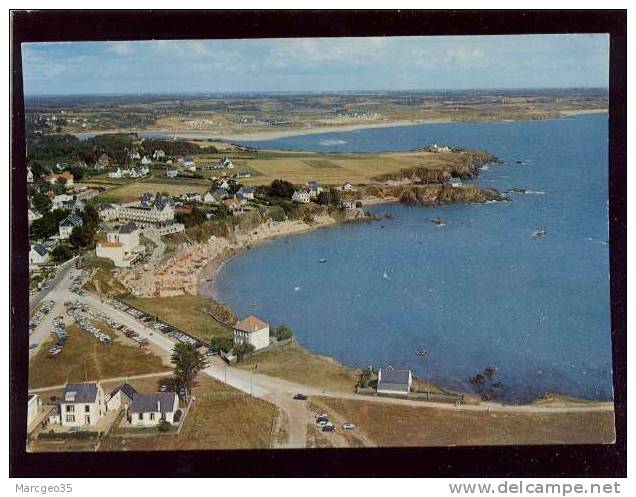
(208, 275)
(275, 134)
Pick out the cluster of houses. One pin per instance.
(129, 173)
(83, 405)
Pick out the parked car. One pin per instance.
(322, 422)
(300, 396)
(348, 426)
(163, 388)
(329, 428)
(33, 346)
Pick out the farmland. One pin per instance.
(132, 191)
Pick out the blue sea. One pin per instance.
(478, 292)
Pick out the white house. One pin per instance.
(158, 154)
(115, 174)
(67, 224)
(252, 330)
(150, 409)
(215, 197)
(38, 255)
(122, 396)
(33, 216)
(455, 182)
(191, 197)
(247, 192)
(171, 172)
(347, 187)
(134, 173)
(226, 163)
(394, 381)
(82, 404)
(133, 154)
(65, 178)
(32, 408)
(107, 212)
(223, 184)
(188, 163)
(314, 188)
(121, 246)
(62, 201)
(302, 196)
(29, 175)
(145, 161)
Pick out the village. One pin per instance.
(119, 252)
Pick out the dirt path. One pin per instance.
(291, 422)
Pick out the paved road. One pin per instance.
(275, 390)
(62, 271)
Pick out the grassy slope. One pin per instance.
(294, 363)
(187, 312)
(84, 357)
(395, 425)
(221, 418)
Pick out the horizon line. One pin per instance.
(310, 92)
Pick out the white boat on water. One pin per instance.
(386, 276)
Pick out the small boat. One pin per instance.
(296, 288)
(421, 352)
(322, 261)
(388, 215)
(386, 276)
(438, 221)
(539, 233)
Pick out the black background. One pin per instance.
(538, 461)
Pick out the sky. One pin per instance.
(316, 64)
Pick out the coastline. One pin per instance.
(265, 135)
(207, 277)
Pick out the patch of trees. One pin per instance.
(170, 147)
(486, 384)
(282, 332)
(187, 364)
(193, 218)
(242, 350)
(47, 225)
(83, 236)
(281, 188)
(222, 343)
(40, 202)
(329, 197)
(62, 253)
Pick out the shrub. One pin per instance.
(164, 426)
(283, 333)
(243, 350)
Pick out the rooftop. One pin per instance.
(83, 393)
(153, 402)
(250, 324)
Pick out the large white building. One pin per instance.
(253, 331)
(82, 405)
(121, 246)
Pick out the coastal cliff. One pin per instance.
(444, 194)
(461, 164)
